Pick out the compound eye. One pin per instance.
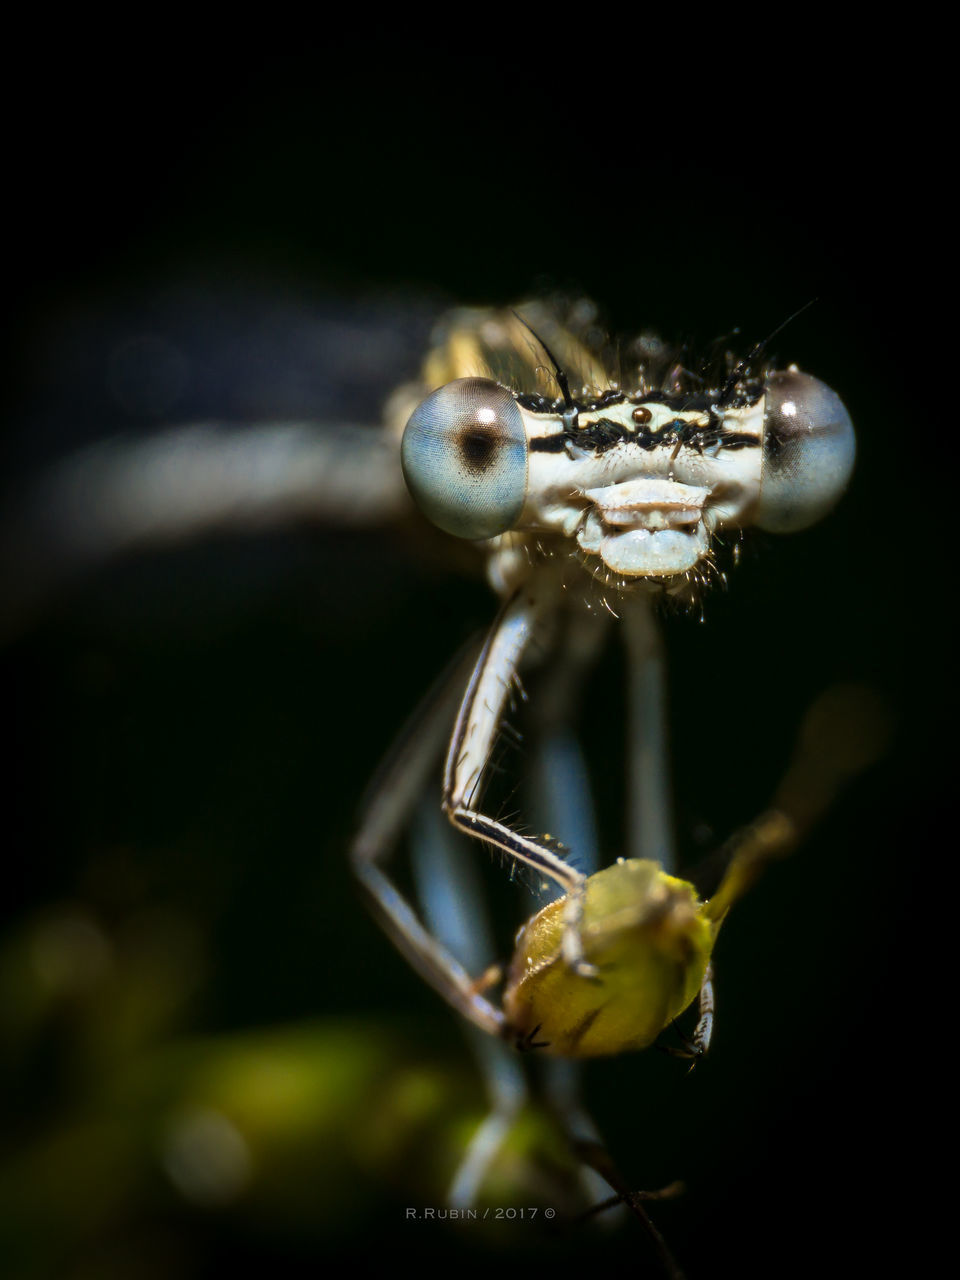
(808, 452)
(464, 457)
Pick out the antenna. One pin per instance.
(730, 386)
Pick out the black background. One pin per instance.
(193, 729)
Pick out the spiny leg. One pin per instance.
(694, 1047)
(478, 721)
(391, 800)
(703, 1032)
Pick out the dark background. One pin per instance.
(191, 729)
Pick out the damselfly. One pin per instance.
(594, 505)
(605, 540)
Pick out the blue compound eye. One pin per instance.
(464, 457)
(808, 452)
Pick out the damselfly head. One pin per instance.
(635, 483)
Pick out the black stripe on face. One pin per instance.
(549, 444)
(604, 434)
